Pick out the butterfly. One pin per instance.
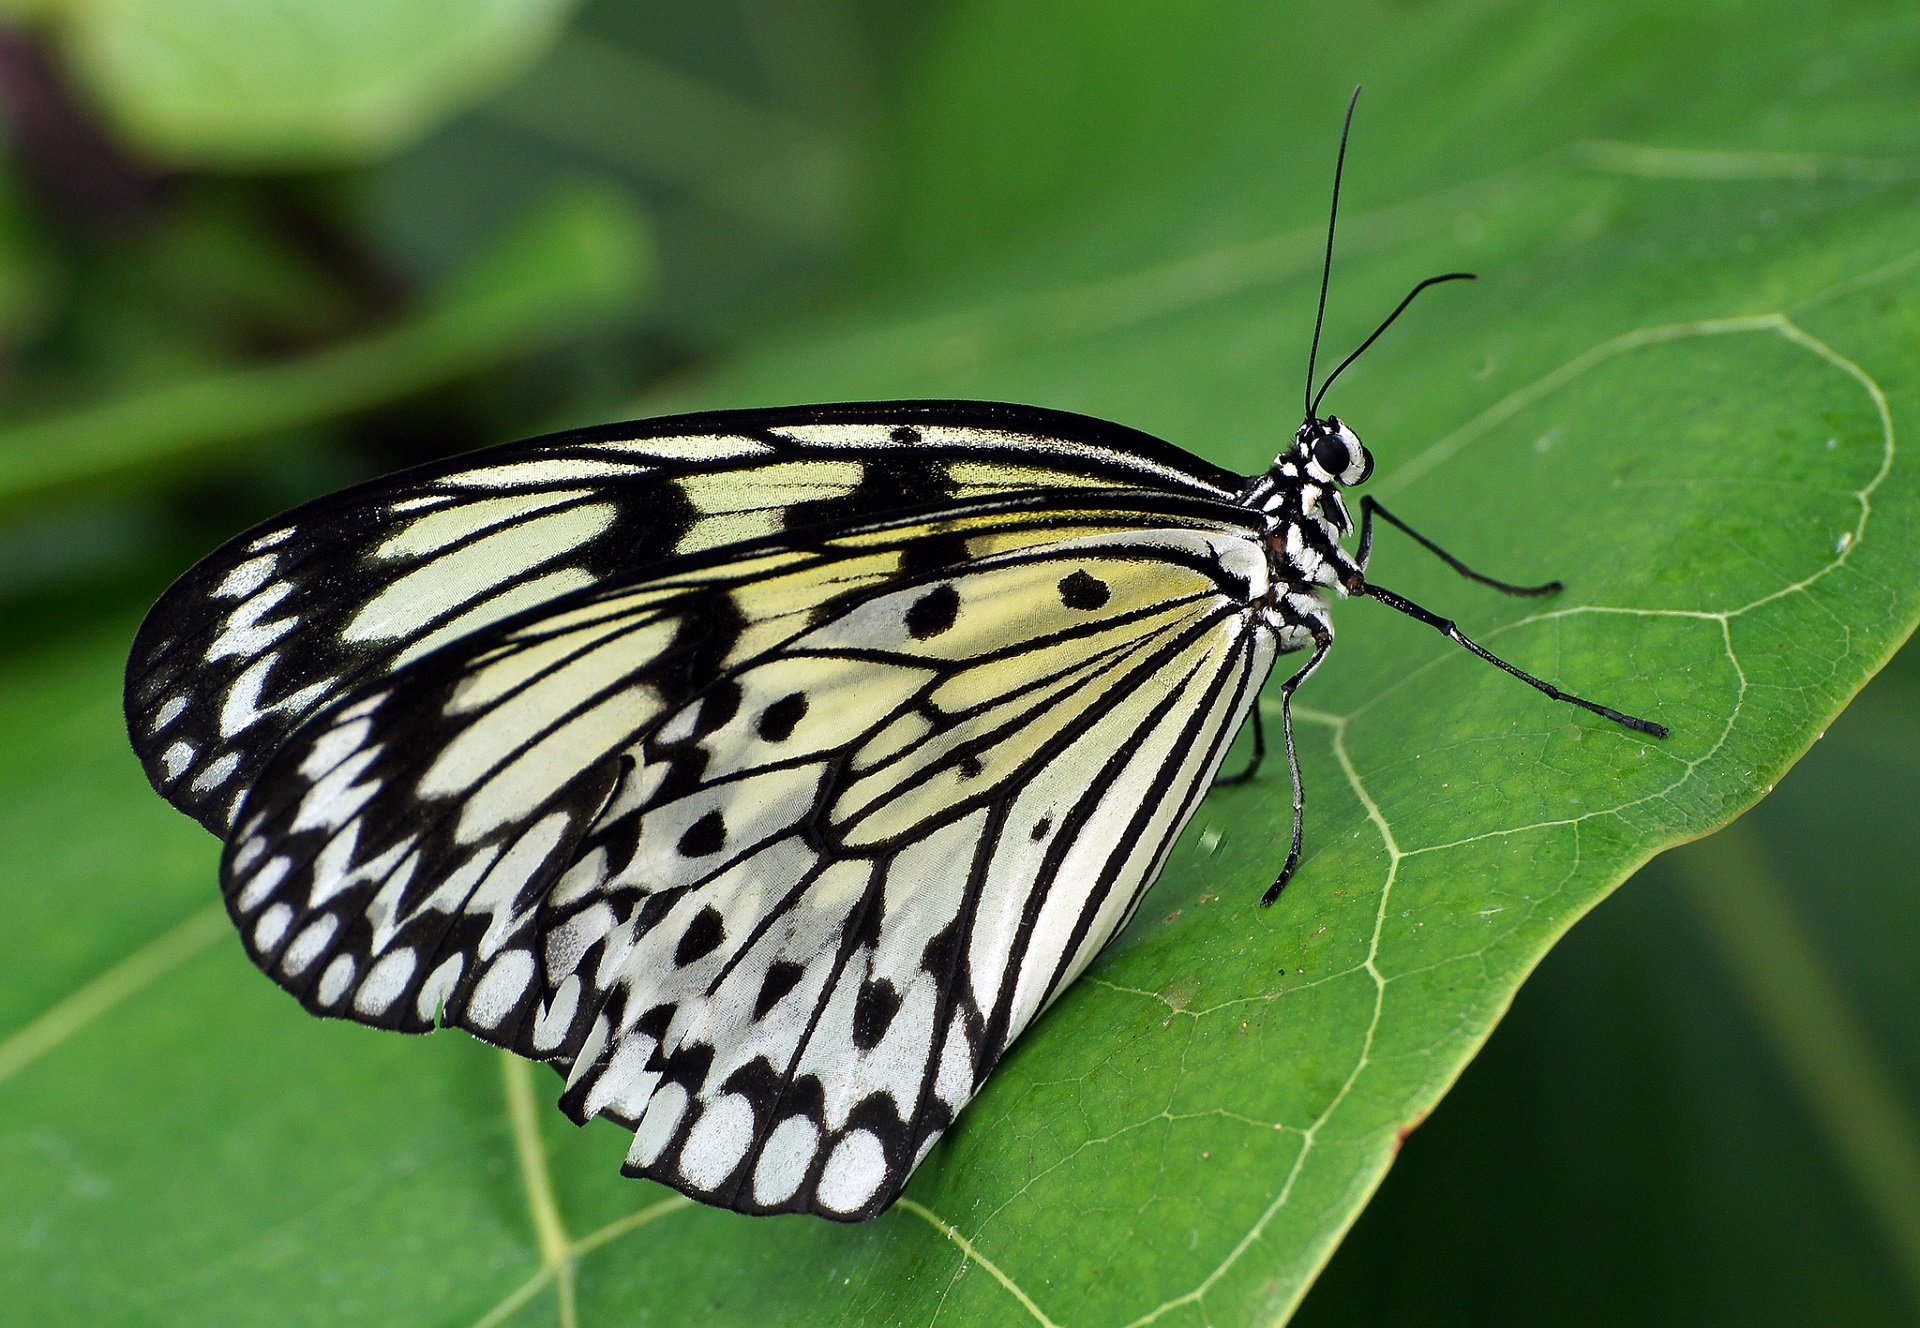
(766, 772)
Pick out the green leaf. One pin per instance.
(1702, 1105)
(1680, 385)
(578, 262)
(291, 83)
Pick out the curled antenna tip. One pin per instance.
(1313, 405)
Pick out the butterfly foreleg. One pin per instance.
(1447, 628)
(1322, 641)
(1369, 506)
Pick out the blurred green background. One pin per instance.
(250, 252)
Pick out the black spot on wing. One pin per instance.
(933, 613)
(702, 936)
(710, 623)
(944, 950)
(873, 1011)
(931, 552)
(704, 837)
(720, 703)
(781, 977)
(889, 482)
(645, 529)
(1082, 590)
(777, 721)
(688, 1066)
(1041, 828)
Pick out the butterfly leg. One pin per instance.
(1322, 642)
(1447, 628)
(1368, 507)
(1259, 754)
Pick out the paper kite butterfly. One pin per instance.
(767, 772)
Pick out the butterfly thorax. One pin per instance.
(1306, 520)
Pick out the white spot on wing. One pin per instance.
(944, 435)
(784, 1160)
(556, 1017)
(535, 474)
(271, 928)
(247, 577)
(853, 1173)
(506, 881)
(336, 798)
(438, 986)
(495, 995)
(568, 943)
(217, 773)
(338, 743)
(174, 708)
(656, 1128)
(581, 880)
(242, 707)
(776, 486)
(308, 944)
(718, 1142)
(246, 853)
(263, 884)
(245, 634)
(710, 532)
(589, 1051)
(334, 982)
(418, 504)
(384, 983)
(698, 447)
(623, 1070)
(335, 869)
(177, 758)
(954, 1084)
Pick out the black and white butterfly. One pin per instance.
(767, 772)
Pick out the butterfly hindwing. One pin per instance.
(774, 854)
(289, 617)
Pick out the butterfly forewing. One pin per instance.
(286, 619)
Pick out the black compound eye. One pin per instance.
(1331, 455)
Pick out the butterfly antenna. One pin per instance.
(1313, 407)
(1326, 268)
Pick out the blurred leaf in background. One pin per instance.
(581, 259)
(286, 83)
(315, 312)
(1113, 207)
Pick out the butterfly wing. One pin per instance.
(773, 852)
(290, 616)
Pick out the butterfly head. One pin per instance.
(1330, 452)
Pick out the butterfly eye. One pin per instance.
(1331, 455)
